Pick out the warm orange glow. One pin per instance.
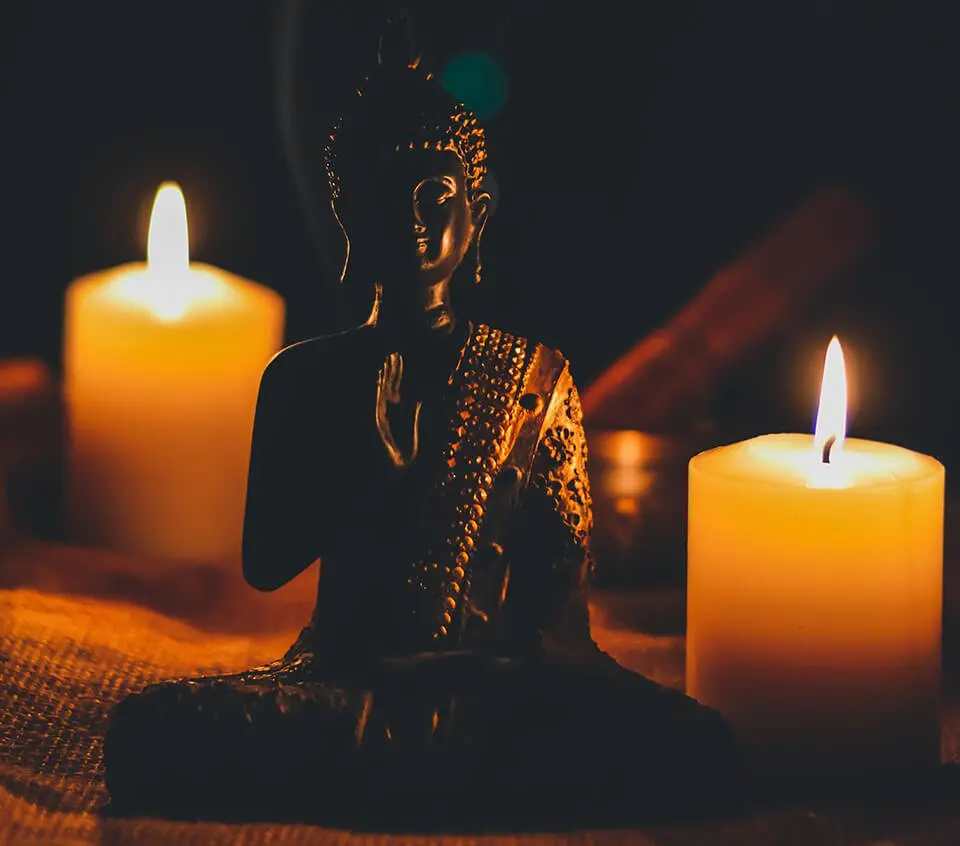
(628, 474)
(169, 288)
(818, 571)
(832, 412)
(162, 362)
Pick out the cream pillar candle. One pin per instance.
(162, 363)
(814, 595)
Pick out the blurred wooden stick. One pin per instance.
(665, 375)
(30, 420)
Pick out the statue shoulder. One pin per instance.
(316, 355)
(500, 341)
(542, 374)
(556, 359)
(550, 377)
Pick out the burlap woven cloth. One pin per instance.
(66, 659)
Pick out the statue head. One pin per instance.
(406, 165)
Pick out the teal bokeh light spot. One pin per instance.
(477, 81)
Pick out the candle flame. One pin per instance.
(170, 287)
(168, 239)
(831, 427)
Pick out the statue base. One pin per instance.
(421, 741)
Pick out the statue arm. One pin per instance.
(553, 561)
(280, 537)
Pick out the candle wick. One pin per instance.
(827, 447)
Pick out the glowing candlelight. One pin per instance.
(162, 363)
(830, 430)
(814, 594)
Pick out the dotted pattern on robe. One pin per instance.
(491, 379)
(560, 472)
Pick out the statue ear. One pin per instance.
(480, 213)
(486, 201)
(481, 209)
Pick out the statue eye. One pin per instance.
(434, 193)
(449, 188)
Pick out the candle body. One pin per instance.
(160, 410)
(814, 602)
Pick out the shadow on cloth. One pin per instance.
(630, 806)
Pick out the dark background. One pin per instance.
(641, 147)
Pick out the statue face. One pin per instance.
(443, 227)
(410, 224)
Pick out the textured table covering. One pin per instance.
(65, 658)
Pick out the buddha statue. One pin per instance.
(437, 468)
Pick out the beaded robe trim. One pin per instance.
(489, 384)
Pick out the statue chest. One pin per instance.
(420, 547)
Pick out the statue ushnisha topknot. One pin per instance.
(402, 104)
(437, 468)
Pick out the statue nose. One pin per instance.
(400, 219)
(419, 224)
(400, 231)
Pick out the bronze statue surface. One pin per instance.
(438, 470)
